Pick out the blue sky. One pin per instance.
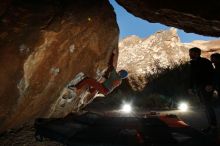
(131, 25)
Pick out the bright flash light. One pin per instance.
(126, 108)
(183, 107)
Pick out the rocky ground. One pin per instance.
(24, 137)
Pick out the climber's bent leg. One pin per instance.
(92, 83)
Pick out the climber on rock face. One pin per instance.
(112, 80)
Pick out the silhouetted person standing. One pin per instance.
(215, 58)
(201, 83)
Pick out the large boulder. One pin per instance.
(44, 44)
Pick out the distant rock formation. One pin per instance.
(44, 44)
(207, 47)
(147, 56)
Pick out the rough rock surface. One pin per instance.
(43, 45)
(201, 17)
(25, 136)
